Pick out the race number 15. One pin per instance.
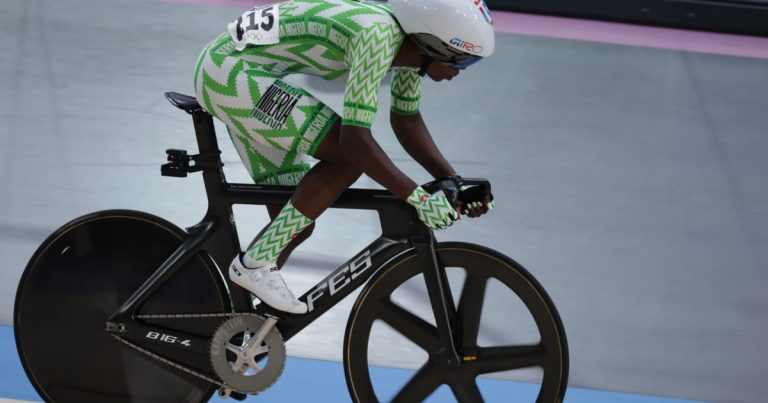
(257, 26)
(264, 21)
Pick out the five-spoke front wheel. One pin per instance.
(505, 327)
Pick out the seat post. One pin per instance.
(205, 132)
(213, 173)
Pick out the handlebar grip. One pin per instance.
(483, 183)
(437, 185)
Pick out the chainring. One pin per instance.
(246, 374)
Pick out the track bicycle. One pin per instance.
(124, 306)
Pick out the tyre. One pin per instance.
(506, 326)
(77, 279)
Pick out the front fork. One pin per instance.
(440, 297)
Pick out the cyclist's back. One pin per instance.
(320, 37)
(325, 38)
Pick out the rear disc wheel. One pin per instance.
(79, 277)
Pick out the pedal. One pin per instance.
(238, 396)
(226, 392)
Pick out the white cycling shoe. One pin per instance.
(267, 284)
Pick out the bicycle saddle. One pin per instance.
(184, 102)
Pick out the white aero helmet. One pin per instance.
(455, 32)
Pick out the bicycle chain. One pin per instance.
(195, 315)
(175, 364)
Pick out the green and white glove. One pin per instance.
(434, 210)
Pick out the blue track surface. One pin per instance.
(323, 381)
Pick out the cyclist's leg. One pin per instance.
(327, 150)
(320, 187)
(323, 185)
(273, 210)
(272, 124)
(251, 155)
(275, 155)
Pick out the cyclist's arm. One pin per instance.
(369, 61)
(415, 138)
(359, 147)
(408, 125)
(417, 142)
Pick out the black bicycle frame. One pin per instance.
(216, 235)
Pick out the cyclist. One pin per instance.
(275, 125)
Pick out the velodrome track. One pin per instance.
(628, 164)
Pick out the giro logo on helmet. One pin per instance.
(468, 46)
(443, 27)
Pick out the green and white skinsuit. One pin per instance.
(275, 125)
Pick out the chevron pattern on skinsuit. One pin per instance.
(274, 150)
(351, 14)
(258, 159)
(278, 235)
(329, 38)
(326, 38)
(373, 49)
(406, 90)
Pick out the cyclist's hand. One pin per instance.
(434, 210)
(474, 202)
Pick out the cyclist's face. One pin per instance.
(439, 72)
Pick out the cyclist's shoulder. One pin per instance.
(350, 15)
(302, 6)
